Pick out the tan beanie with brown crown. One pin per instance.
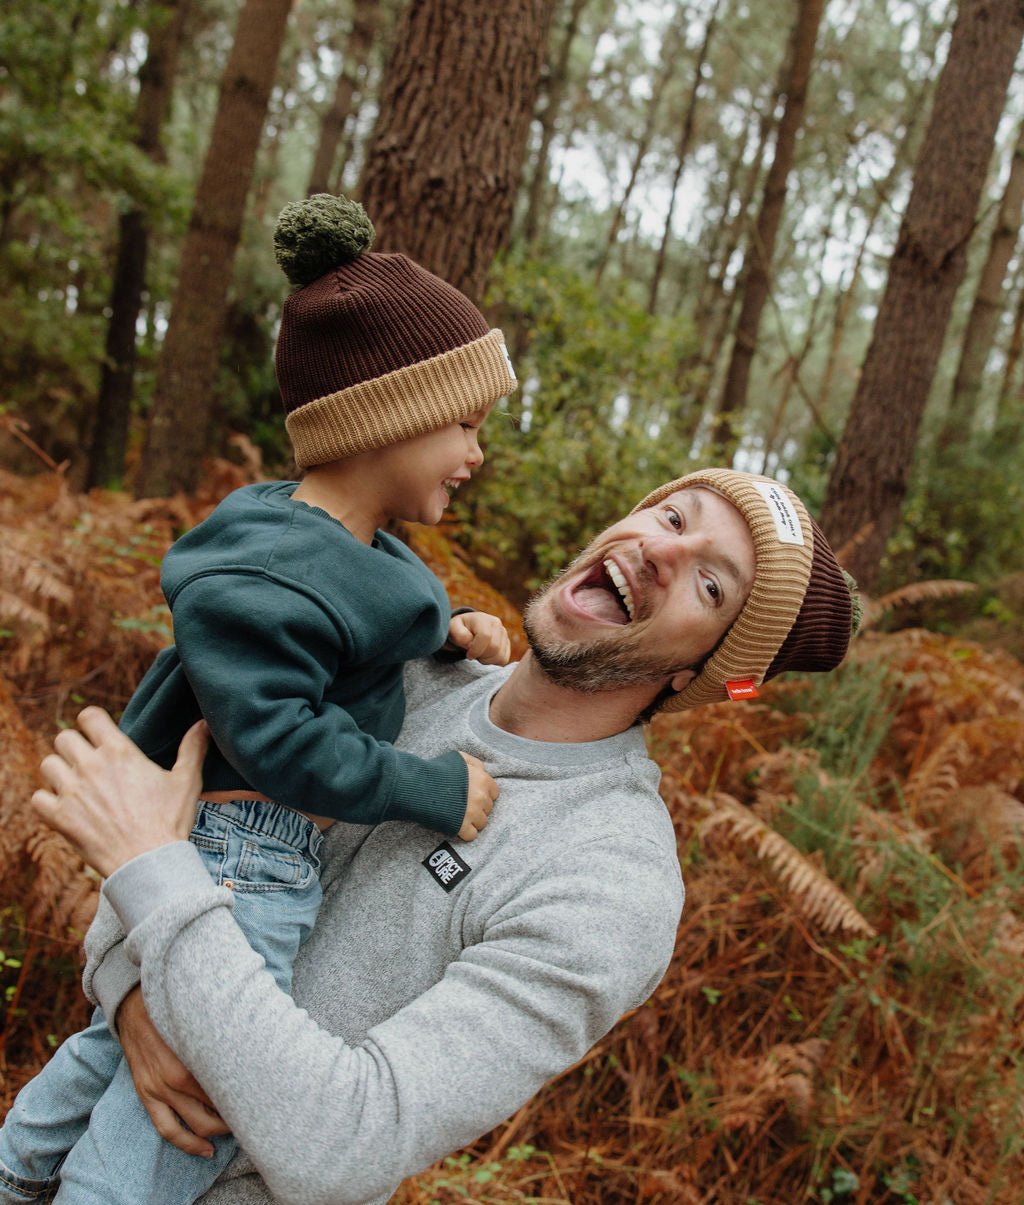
(802, 609)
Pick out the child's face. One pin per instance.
(421, 474)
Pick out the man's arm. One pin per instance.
(512, 1012)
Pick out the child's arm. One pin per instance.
(261, 657)
(482, 636)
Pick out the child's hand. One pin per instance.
(483, 791)
(483, 637)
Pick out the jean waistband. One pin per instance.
(271, 819)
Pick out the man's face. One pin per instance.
(650, 597)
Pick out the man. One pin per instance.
(444, 985)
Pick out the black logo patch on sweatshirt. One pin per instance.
(446, 867)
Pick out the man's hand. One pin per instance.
(109, 800)
(169, 1091)
(483, 791)
(483, 637)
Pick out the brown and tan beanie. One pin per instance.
(373, 349)
(803, 608)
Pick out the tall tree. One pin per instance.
(869, 478)
(761, 248)
(987, 307)
(117, 377)
(354, 59)
(179, 421)
(682, 154)
(445, 158)
(554, 89)
(666, 69)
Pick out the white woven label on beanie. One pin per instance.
(787, 522)
(508, 361)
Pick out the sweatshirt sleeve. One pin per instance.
(260, 656)
(516, 1009)
(109, 973)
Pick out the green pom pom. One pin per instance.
(317, 234)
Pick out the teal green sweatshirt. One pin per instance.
(290, 638)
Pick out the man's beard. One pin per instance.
(602, 663)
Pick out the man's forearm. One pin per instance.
(357, 1119)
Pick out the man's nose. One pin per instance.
(667, 552)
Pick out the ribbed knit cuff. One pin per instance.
(402, 404)
(113, 979)
(432, 793)
(160, 876)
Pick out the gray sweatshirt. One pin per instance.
(445, 982)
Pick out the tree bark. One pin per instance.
(445, 158)
(988, 305)
(117, 376)
(350, 83)
(180, 418)
(869, 479)
(761, 249)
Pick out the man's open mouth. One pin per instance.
(605, 594)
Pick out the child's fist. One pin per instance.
(483, 791)
(483, 637)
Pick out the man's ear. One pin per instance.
(683, 679)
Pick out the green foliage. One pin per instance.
(67, 165)
(594, 425)
(965, 515)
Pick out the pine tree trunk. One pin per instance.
(350, 83)
(988, 306)
(761, 250)
(117, 377)
(180, 418)
(666, 70)
(719, 305)
(883, 195)
(548, 119)
(869, 479)
(444, 161)
(682, 154)
(1014, 349)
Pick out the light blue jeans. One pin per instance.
(78, 1134)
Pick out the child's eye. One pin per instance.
(674, 517)
(714, 590)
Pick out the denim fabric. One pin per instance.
(83, 1105)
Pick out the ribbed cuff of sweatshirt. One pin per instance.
(158, 877)
(432, 793)
(113, 979)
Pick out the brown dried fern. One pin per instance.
(816, 895)
(875, 609)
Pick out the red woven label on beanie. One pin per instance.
(741, 688)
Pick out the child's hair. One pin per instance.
(373, 348)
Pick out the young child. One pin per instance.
(293, 616)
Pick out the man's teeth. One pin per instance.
(615, 573)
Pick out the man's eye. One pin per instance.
(674, 517)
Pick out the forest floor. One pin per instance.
(842, 1019)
